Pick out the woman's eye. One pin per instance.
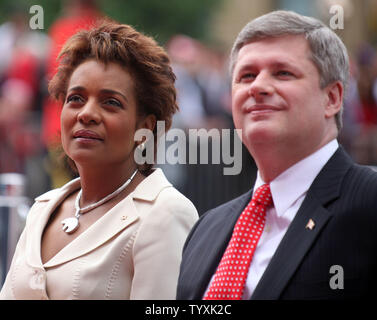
(113, 102)
(74, 98)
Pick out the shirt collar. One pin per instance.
(291, 184)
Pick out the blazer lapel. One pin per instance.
(120, 217)
(97, 234)
(39, 215)
(299, 238)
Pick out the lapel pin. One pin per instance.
(310, 225)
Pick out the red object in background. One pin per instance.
(369, 113)
(24, 67)
(59, 33)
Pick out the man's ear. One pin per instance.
(334, 101)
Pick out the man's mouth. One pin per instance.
(261, 108)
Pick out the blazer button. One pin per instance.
(37, 280)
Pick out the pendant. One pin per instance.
(70, 225)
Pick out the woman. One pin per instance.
(117, 231)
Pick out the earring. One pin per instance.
(141, 146)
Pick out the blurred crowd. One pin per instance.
(29, 120)
(359, 134)
(22, 59)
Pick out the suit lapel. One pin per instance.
(292, 249)
(298, 239)
(213, 247)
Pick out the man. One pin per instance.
(318, 236)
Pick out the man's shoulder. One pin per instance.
(370, 171)
(235, 204)
(357, 186)
(366, 173)
(342, 167)
(216, 221)
(363, 176)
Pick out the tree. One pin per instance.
(158, 18)
(164, 18)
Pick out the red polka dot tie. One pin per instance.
(230, 277)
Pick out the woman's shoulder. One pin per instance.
(52, 194)
(47, 196)
(173, 202)
(163, 188)
(157, 189)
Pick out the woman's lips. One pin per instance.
(87, 135)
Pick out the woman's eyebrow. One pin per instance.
(80, 88)
(114, 92)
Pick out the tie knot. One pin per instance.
(263, 195)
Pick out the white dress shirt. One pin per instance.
(288, 192)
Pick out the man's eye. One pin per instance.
(247, 76)
(284, 73)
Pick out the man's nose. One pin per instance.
(261, 86)
(89, 113)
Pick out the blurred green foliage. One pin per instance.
(158, 18)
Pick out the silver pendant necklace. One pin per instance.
(70, 225)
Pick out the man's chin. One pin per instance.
(259, 134)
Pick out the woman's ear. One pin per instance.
(145, 150)
(148, 122)
(334, 103)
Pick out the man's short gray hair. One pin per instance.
(328, 51)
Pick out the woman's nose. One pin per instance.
(89, 113)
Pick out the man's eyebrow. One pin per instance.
(283, 65)
(275, 65)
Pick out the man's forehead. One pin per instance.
(292, 46)
(284, 40)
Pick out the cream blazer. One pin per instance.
(132, 252)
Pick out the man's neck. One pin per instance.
(272, 161)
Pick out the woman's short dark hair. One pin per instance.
(146, 61)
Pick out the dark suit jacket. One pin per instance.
(342, 201)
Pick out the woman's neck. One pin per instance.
(98, 183)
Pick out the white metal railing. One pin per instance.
(14, 207)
